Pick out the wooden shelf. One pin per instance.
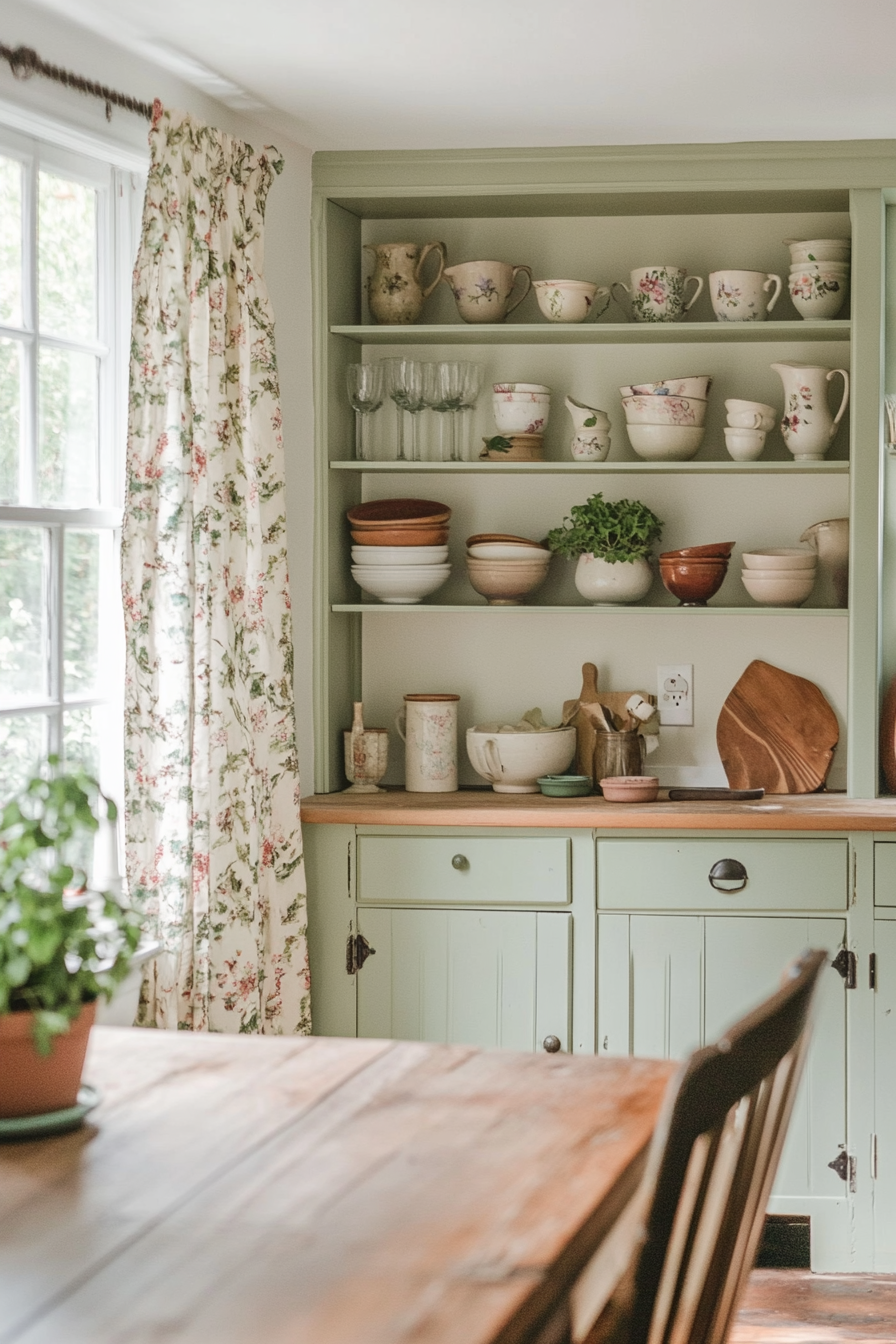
(583, 609)
(728, 467)
(597, 333)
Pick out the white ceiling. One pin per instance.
(380, 74)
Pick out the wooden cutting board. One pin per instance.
(585, 729)
(776, 731)
(888, 736)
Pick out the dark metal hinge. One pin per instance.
(872, 970)
(357, 950)
(845, 1167)
(845, 963)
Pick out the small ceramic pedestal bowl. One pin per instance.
(695, 578)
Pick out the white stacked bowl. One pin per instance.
(400, 574)
(399, 555)
(818, 249)
(521, 408)
(782, 576)
(818, 290)
(665, 425)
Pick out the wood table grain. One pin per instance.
(236, 1190)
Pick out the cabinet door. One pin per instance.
(885, 1091)
(472, 977)
(650, 973)
(744, 960)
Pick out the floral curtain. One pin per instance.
(214, 846)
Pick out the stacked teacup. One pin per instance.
(781, 576)
(521, 413)
(819, 277)
(665, 420)
(748, 424)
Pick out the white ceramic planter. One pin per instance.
(626, 581)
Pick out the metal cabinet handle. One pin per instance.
(460, 862)
(728, 870)
(551, 1044)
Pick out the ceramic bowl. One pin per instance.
(695, 385)
(693, 582)
(513, 762)
(630, 788)
(788, 588)
(819, 249)
(425, 535)
(504, 583)
(397, 513)
(567, 300)
(400, 584)
(527, 414)
(781, 558)
(399, 555)
(710, 550)
(655, 410)
(819, 297)
(744, 445)
(521, 387)
(504, 550)
(479, 537)
(565, 786)
(665, 443)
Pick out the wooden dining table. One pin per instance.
(245, 1190)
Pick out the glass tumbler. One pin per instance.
(617, 754)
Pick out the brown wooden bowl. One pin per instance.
(693, 582)
(398, 512)
(712, 548)
(425, 535)
(503, 536)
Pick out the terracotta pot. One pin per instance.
(33, 1084)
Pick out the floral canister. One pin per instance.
(427, 724)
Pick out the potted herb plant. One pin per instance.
(61, 945)
(613, 541)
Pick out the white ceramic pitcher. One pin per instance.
(808, 426)
(591, 441)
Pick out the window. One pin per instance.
(67, 234)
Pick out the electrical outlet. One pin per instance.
(675, 693)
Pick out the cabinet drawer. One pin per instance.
(675, 874)
(885, 873)
(431, 870)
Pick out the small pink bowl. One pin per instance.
(630, 788)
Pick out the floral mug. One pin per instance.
(482, 289)
(742, 296)
(657, 293)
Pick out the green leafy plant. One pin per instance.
(498, 444)
(61, 945)
(617, 532)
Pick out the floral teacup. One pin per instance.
(656, 293)
(482, 289)
(569, 300)
(741, 296)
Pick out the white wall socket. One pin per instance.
(675, 693)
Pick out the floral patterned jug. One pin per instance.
(394, 292)
(808, 426)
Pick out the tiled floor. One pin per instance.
(792, 1306)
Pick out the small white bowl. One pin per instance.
(664, 410)
(786, 589)
(819, 249)
(521, 416)
(400, 584)
(781, 559)
(506, 550)
(744, 445)
(521, 387)
(399, 555)
(665, 443)
(694, 385)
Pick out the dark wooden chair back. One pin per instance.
(712, 1164)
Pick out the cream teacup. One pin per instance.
(656, 293)
(744, 445)
(569, 300)
(742, 296)
(482, 289)
(750, 414)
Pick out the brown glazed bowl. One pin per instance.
(426, 534)
(693, 582)
(717, 549)
(397, 513)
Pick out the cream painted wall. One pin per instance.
(287, 261)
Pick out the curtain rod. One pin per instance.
(25, 62)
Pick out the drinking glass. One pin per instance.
(444, 390)
(365, 392)
(472, 385)
(406, 390)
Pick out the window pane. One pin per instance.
(67, 454)
(23, 746)
(10, 409)
(81, 608)
(23, 613)
(81, 739)
(66, 258)
(10, 242)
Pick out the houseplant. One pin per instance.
(61, 945)
(613, 541)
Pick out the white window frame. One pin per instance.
(118, 177)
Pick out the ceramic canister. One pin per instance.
(428, 726)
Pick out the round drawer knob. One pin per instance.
(728, 875)
(551, 1044)
(460, 862)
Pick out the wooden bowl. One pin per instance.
(693, 582)
(503, 536)
(424, 535)
(397, 513)
(630, 788)
(711, 549)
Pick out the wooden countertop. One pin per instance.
(473, 807)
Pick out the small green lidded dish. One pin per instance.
(565, 786)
